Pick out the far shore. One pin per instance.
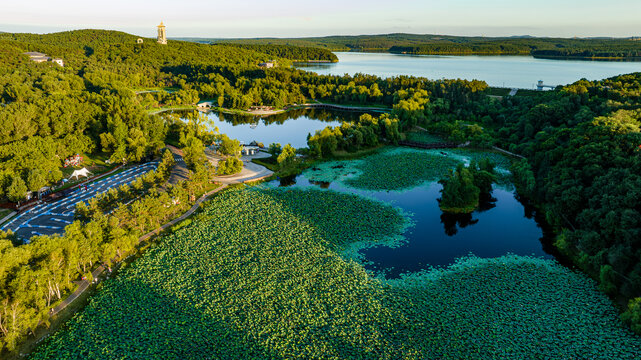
(265, 112)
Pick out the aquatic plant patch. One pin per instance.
(502, 162)
(259, 275)
(514, 307)
(401, 169)
(331, 171)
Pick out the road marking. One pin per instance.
(66, 207)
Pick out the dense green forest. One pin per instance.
(582, 144)
(101, 102)
(290, 52)
(90, 105)
(583, 149)
(459, 45)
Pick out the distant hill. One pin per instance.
(584, 48)
(116, 48)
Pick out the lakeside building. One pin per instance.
(40, 58)
(205, 104)
(268, 64)
(162, 34)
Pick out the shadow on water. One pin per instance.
(289, 127)
(452, 222)
(502, 224)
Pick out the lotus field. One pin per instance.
(259, 274)
(398, 169)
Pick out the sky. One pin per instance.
(286, 18)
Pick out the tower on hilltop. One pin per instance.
(162, 35)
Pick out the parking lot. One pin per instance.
(51, 218)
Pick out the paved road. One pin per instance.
(51, 218)
(250, 172)
(179, 172)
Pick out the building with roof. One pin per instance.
(37, 56)
(267, 64)
(40, 58)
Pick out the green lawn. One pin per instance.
(4, 212)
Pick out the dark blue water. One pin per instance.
(502, 225)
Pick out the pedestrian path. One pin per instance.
(84, 284)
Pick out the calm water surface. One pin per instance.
(501, 71)
(502, 225)
(291, 127)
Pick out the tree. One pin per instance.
(523, 178)
(483, 174)
(36, 179)
(632, 315)
(607, 280)
(459, 194)
(17, 190)
(229, 147)
(193, 152)
(274, 149)
(229, 166)
(287, 157)
(137, 145)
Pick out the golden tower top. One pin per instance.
(162, 34)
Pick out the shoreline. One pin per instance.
(265, 113)
(536, 56)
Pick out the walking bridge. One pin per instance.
(414, 144)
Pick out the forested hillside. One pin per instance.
(583, 146)
(582, 143)
(50, 112)
(459, 45)
(290, 52)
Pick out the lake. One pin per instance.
(502, 225)
(500, 71)
(291, 127)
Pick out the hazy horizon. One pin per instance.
(288, 19)
(317, 36)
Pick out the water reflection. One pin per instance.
(501, 225)
(290, 127)
(452, 222)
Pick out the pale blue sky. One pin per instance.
(253, 18)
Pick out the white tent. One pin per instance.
(82, 172)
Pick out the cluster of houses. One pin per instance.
(40, 57)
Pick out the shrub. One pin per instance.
(632, 316)
(229, 166)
